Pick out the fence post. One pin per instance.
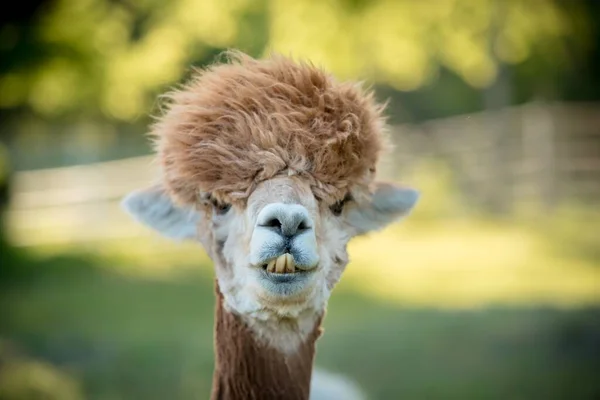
(539, 142)
(496, 98)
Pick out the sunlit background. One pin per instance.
(490, 290)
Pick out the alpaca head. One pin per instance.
(270, 165)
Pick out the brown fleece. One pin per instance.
(238, 123)
(248, 370)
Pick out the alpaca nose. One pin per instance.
(286, 219)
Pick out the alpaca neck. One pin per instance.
(248, 369)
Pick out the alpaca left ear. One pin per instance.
(388, 204)
(154, 208)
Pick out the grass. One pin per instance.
(470, 264)
(122, 332)
(436, 308)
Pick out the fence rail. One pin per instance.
(543, 153)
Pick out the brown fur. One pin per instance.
(248, 370)
(239, 123)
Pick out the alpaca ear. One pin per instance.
(388, 204)
(154, 208)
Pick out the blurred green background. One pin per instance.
(490, 290)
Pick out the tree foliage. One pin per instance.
(111, 57)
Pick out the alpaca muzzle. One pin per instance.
(284, 241)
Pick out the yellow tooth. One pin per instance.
(289, 265)
(285, 264)
(280, 264)
(271, 266)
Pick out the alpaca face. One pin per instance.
(278, 257)
(279, 251)
(295, 152)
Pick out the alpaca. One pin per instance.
(270, 164)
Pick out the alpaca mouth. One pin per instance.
(283, 277)
(284, 265)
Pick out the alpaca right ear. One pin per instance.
(154, 208)
(389, 203)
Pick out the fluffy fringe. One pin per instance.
(236, 124)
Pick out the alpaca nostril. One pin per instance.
(298, 225)
(273, 223)
(303, 226)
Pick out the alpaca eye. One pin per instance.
(338, 207)
(220, 208)
(223, 208)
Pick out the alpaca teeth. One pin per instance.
(280, 264)
(289, 265)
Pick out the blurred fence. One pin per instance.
(79, 203)
(536, 153)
